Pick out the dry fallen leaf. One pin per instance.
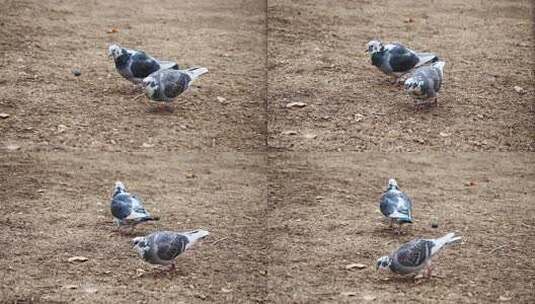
(221, 99)
(520, 90)
(70, 286)
(77, 259)
(369, 297)
(289, 132)
(296, 104)
(112, 30)
(355, 265)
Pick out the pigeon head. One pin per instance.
(383, 263)
(151, 86)
(119, 188)
(115, 51)
(141, 245)
(392, 184)
(375, 46)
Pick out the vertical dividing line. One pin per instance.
(267, 161)
(266, 75)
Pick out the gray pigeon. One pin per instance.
(136, 65)
(395, 59)
(424, 83)
(395, 205)
(416, 255)
(162, 247)
(127, 209)
(165, 85)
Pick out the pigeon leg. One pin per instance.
(428, 270)
(436, 101)
(173, 267)
(122, 230)
(169, 108)
(399, 228)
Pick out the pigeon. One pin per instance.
(395, 205)
(165, 85)
(395, 59)
(425, 82)
(162, 247)
(414, 256)
(127, 209)
(136, 65)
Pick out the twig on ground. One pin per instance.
(222, 239)
(497, 248)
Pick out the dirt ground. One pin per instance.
(284, 224)
(316, 56)
(56, 206)
(324, 215)
(283, 227)
(50, 109)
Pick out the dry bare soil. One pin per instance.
(56, 206)
(42, 41)
(323, 216)
(316, 56)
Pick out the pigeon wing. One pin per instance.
(174, 82)
(401, 58)
(170, 245)
(405, 205)
(143, 65)
(413, 254)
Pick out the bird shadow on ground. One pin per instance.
(391, 233)
(160, 110)
(158, 273)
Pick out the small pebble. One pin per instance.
(76, 72)
(434, 223)
(4, 115)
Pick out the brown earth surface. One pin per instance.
(283, 227)
(56, 206)
(316, 56)
(49, 108)
(324, 215)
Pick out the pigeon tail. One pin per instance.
(439, 65)
(401, 217)
(168, 65)
(149, 218)
(448, 239)
(194, 236)
(195, 73)
(426, 58)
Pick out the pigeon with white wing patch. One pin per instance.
(135, 65)
(415, 256)
(127, 209)
(424, 83)
(395, 205)
(166, 85)
(162, 247)
(395, 59)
